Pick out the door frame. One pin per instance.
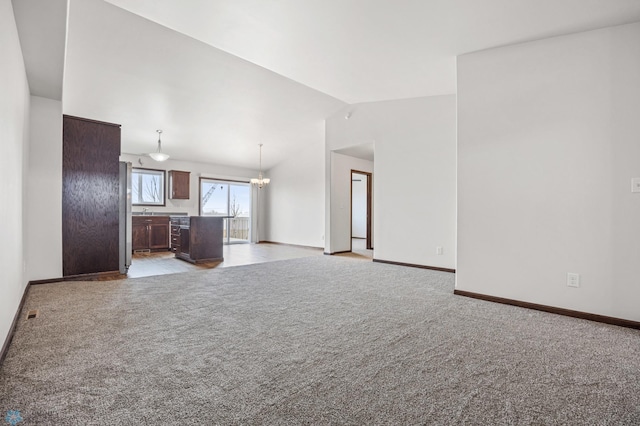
(369, 176)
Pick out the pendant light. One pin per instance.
(260, 182)
(159, 155)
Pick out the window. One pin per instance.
(231, 200)
(147, 187)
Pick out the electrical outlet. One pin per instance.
(635, 185)
(438, 250)
(573, 280)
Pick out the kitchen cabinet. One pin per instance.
(179, 185)
(150, 233)
(200, 238)
(176, 222)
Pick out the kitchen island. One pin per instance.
(197, 239)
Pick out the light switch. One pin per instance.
(635, 185)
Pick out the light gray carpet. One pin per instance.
(319, 340)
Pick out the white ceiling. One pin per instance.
(364, 151)
(371, 50)
(212, 106)
(42, 27)
(220, 76)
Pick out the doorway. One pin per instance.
(361, 208)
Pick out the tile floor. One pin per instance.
(161, 263)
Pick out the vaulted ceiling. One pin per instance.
(371, 50)
(220, 76)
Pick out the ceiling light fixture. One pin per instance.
(260, 182)
(159, 155)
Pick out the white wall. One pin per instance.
(44, 194)
(548, 141)
(359, 206)
(14, 117)
(414, 189)
(295, 199)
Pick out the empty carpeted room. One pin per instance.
(320, 212)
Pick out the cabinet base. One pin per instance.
(195, 261)
(148, 251)
(94, 276)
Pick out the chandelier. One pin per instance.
(260, 182)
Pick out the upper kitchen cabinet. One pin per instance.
(178, 185)
(90, 196)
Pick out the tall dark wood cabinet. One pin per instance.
(90, 196)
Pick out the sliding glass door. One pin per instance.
(231, 200)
